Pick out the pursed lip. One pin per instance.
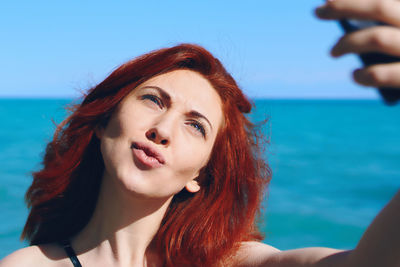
(149, 151)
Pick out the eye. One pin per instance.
(198, 126)
(153, 98)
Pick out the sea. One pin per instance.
(335, 164)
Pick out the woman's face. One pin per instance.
(162, 134)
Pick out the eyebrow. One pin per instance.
(164, 94)
(196, 114)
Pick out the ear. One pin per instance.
(192, 186)
(98, 131)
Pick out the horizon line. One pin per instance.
(50, 97)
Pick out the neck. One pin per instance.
(122, 227)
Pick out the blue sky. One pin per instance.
(274, 49)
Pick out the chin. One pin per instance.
(141, 188)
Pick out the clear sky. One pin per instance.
(274, 49)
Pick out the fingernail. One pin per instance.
(323, 9)
(320, 11)
(359, 76)
(335, 52)
(356, 72)
(336, 49)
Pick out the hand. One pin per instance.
(383, 39)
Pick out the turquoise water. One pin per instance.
(335, 165)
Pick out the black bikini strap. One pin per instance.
(71, 253)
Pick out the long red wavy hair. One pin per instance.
(198, 229)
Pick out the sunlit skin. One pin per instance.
(168, 115)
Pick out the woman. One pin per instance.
(159, 167)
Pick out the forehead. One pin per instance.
(190, 91)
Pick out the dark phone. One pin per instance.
(389, 95)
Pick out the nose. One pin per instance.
(161, 131)
(157, 137)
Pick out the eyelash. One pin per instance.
(198, 126)
(154, 99)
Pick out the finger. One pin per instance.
(387, 11)
(380, 75)
(383, 39)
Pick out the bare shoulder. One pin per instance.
(43, 255)
(256, 254)
(22, 257)
(253, 253)
(255, 247)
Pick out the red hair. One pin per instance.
(198, 229)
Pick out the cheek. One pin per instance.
(127, 124)
(191, 160)
(115, 144)
(137, 121)
(112, 152)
